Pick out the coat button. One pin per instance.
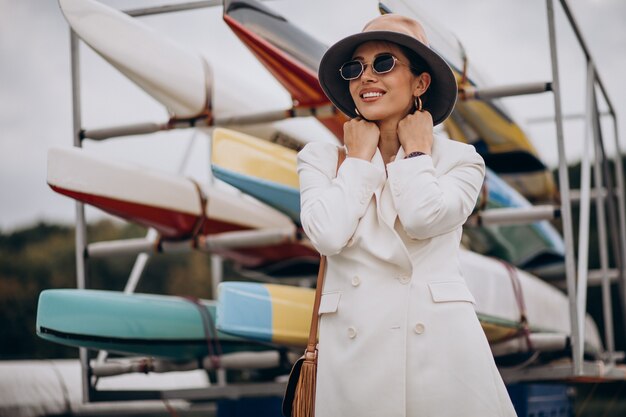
(356, 281)
(404, 279)
(351, 332)
(419, 328)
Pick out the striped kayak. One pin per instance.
(282, 314)
(267, 172)
(291, 55)
(175, 206)
(156, 325)
(264, 170)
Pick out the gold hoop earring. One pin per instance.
(418, 103)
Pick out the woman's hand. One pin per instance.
(415, 132)
(361, 138)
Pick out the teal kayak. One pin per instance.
(155, 325)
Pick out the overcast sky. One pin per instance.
(505, 39)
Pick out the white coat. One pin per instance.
(398, 332)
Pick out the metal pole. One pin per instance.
(616, 242)
(322, 112)
(80, 226)
(518, 215)
(76, 120)
(566, 210)
(621, 202)
(236, 239)
(607, 308)
(585, 200)
(217, 273)
(470, 92)
(583, 46)
(126, 130)
(550, 119)
(140, 264)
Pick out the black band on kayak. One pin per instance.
(197, 228)
(213, 343)
(524, 329)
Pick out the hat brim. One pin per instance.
(442, 92)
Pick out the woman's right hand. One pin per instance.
(361, 138)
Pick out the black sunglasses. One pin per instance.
(382, 64)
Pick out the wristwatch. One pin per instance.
(414, 154)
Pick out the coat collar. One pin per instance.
(377, 159)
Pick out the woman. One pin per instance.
(398, 332)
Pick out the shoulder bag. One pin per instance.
(299, 399)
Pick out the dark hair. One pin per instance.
(418, 66)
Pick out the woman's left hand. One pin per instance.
(415, 132)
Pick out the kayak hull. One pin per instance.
(155, 325)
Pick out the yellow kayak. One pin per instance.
(504, 146)
(261, 169)
(267, 171)
(281, 314)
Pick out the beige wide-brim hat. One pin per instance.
(405, 32)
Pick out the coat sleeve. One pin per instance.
(332, 202)
(428, 205)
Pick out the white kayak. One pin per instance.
(545, 306)
(73, 171)
(281, 314)
(176, 77)
(174, 205)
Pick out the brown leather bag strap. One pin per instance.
(312, 343)
(310, 347)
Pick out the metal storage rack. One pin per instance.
(606, 191)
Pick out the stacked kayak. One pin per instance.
(282, 314)
(293, 57)
(175, 206)
(174, 327)
(267, 172)
(251, 315)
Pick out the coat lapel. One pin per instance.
(384, 202)
(386, 211)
